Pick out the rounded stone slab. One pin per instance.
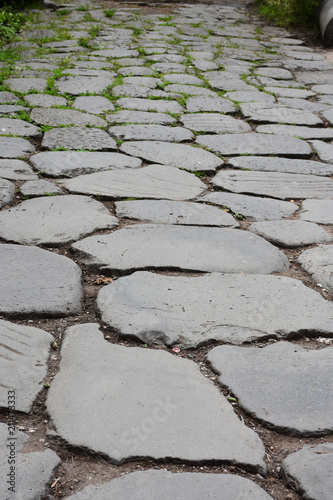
(160, 106)
(15, 147)
(271, 164)
(56, 117)
(274, 113)
(140, 117)
(291, 233)
(275, 184)
(153, 181)
(11, 126)
(24, 353)
(182, 79)
(6, 192)
(213, 122)
(310, 471)
(73, 163)
(45, 100)
(174, 212)
(26, 84)
(318, 262)
(252, 207)
(250, 96)
(151, 133)
(276, 73)
(8, 109)
(320, 211)
(93, 104)
(49, 284)
(16, 170)
(181, 247)
(8, 97)
(76, 85)
(217, 104)
(190, 90)
(296, 397)
(54, 221)
(192, 311)
(297, 131)
(165, 485)
(78, 138)
(40, 187)
(150, 404)
(323, 150)
(176, 155)
(290, 92)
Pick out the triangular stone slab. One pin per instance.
(150, 404)
(318, 262)
(320, 211)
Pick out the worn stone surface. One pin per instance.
(10, 126)
(161, 106)
(174, 212)
(16, 170)
(133, 393)
(6, 192)
(151, 133)
(40, 187)
(76, 85)
(54, 221)
(45, 100)
(7, 97)
(191, 311)
(165, 485)
(277, 73)
(15, 147)
(288, 92)
(78, 138)
(94, 104)
(26, 84)
(50, 284)
(213, 122)
(8, 109)
(24, 355)
(297, 131)
(320, 211)
(140, 117)
(310, 471)
(271, 164)
(177, 155)
(323, 150)
(291, 233)
(299, 404)
(177, 247)
(274, 113)
(250, 96)
(275, 184)
(217, 104)
(56, 117)
(318, 262)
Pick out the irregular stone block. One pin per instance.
(217, 104)
(25, 84)
(320, 211)
(16, 170)
(213, 122)
(94, 104)
(10, 126)
(291, 233)
(271, 164)
(78, 138)
(6, 192)
(275, 113)
(323, 150)
(161, 106)
(15, 147)
(151, 133)
(296, 131)
(40, 187)
(140, 117)
(76, 85)
(318, 262)
(45, 100)
(56, 117)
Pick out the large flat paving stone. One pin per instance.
(323, 150)
(40, 187)
(73, 163)
(26, 84)
(49, 284)
(181, 247)
(153, 181)
(176, 155)
(15, 147)
(45, 100)
(255, 144)
(296, 396)
(217, 104)
(318, 262)
(320, 211)
(8, 97)
(150, 404)
(274, 113)
(11, 126)
(192, 311)
(275, 184)
(23, 363)
(126, 116)
(33, 471)
(310, 471)
(161, 106)
(165, 485)
(287, 165)
(151, 133)
(291, 233)
(174, 212)
(6, 192)
(214, 122)
(56, 117)
(78, 138)
(94, 104)
(297, 131)
(54, 221)
(76, 85)
(16, 170)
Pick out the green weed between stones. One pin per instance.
(289, 12)
(109, 13)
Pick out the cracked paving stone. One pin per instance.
(271, 164)
(181, 247)
(318, 262)
(192, 311)
(6, 192)
(310, 471)
(214, 122)
(153, 181)
(54, 221)
(161, 106)
(73, 163)
(297, 131)
(76, 85)
(40, 187)
(26, 84)
(296, 397)
(15, 147)
(168, 486)
(174, 212)
(78, 138)
(45, 100)
(34, 471)
(275, 184)
(23, 359)
(50, 284)
(151, 133)
(16, 170)
(320, 211)
(94, 104)
(291, 233)
(150, 404)
(177, 155)
(275, 113)
(217, 104)
(11, 126)
(127, 116)
(56, 117)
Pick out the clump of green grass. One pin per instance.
(109, 13)
(10, 23)
(289, 12)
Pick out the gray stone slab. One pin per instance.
(276, 73)
(217, 104)
(8, 97)
(261, 112)
(173, 212)
(273, 164)
(169, 67)
(50, 284)
(45, 100)
(6, 109)
(33, 471)
(146, 81)
(275, 184)
(250, 96)
(73, 163)
(78, 138)
(190, 90)
(320, 211)
(11, 126)
(153, 181)
(328, 116)
(54, 221)
(182, 79)
(151, 133)
(227, 80)
(296, 396)
(306, 56)
(315, 77)
(26, 84)
(24, 356)
(147, 117)
(161, 106)
(288, 92)
(318, 262)
(167, 486)
(310, 471)
(297, 131)
(255, 144)
(115, 53)
(137, 91)
(177, 155)
(291, 233)
(323, 150)
(76, 85)
(40, 187)
(136, 71)
(16, 170)
(127, 387)
(181, 247)
(93, 104)
(15, 147)
(324, 88)
(6, 192)
(192, 311)
(313, 106)
(214, 122)
(56, 117)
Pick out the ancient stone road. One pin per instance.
(166, 257)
